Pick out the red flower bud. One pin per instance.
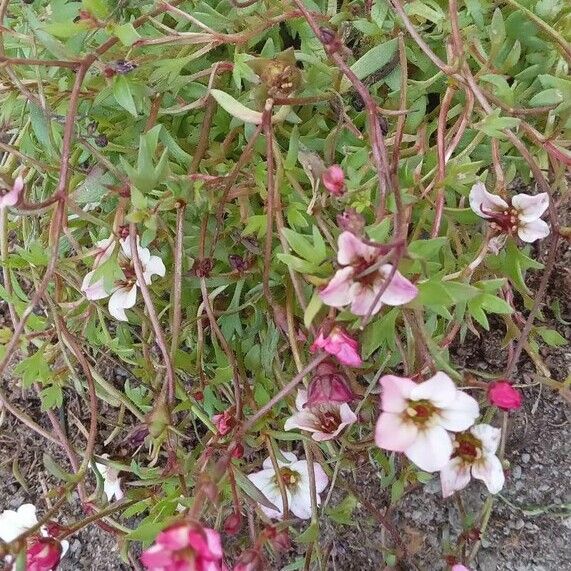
(503, 395)
(328, 385)
(281, 541)
(333, 179)
(233, 523)
(238, 451)
(224, 422)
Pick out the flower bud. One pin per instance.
(339, 343)
(503, 395)
(281, 541)
(233, 523)
(328, 385)
(238, 451)
(43, 554)
(158, 419)
(250, 560)
(333, 179)
(224, 422)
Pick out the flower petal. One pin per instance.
(301, 399)
(497, 243)
(289, 456)
(13, 195)
(454, 476)
(364, 297)
(392, 433)
(300, 502)
(530, 207)
(489, 469)
(439, 389)
(481, 200)
(431, 449)
(396, 392)
(532, 231)
(123, 298)
(304, 420)
(214, 543)
(94, 290)
(461, 413)
(337, 293)
(264, 480)
(155, 266)
(351, 249)
(488, 435)
(400, 290)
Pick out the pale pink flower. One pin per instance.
(459, 567)
(474, 455)
(333, 179)
(185, 546)
(352, 286)
(111, 481)
(415, 418)
(328, 385)
(294, 474)
(503, 395)
(43, 554)
(325, 421)
(340, 344)
(10, 197)
(522, 216)
(124, 292)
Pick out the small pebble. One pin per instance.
(525, 458)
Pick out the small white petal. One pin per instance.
(431, 449)
(439, 389)
(300, 399)
(396, 392)
(122, 299)
(481, 200)
(300, 502)
(351, 249)
(461, 413)
(532, 231)
(392, 433)
(454, 476)
(488, 435)
(530, 207)
(489, 469)
(95, 290)
(264, 480)
(289, 456)
(155, 266)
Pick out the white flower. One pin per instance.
(522, 216)
(111, 481)
(124, 292)
(294, 474)
(15, 523)
(474, 455)
(325, 421)
(415, 418)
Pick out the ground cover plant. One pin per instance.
(276, 219)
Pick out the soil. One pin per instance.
(530, 527)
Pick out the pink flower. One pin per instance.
(358, 282)
(185, 546)
(224, 422)
(337, 342)
(503, 395)
(12, 196)
(328, 386)
(459, 567)
(474, 455)
(415, 418)
(522, 216)
(325, 421)
(333, 179)
(43, 554)
(294, 474)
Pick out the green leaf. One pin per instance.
(343, 512)
(551, 337)
(127, 34)
(497, 28)
(494, 304)
(147, 531)
(250, 490)
(55, 469)
(33, 369)
(310, 535)
(297, 264)
(123, 95)
(98, 8)
(427, 249)
(313, 307)
(379, 332)
(547, 97)
(52, 397)
(235, 108)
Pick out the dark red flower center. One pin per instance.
(506, 221)
(467, 447)
(289, 477)
(329, 420)
(420, 412)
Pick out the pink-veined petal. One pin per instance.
(530, 208)
(454, 476)
(12, 197)
(400, 290)
(461, 413)
(95, 290)
(337, 293)
(364, 297)
(532, 231)
(489, 469)
(351, 249)
(123, 298)
(482, 201)
(301, 399)
(304, 420)
(392, 433)
(431, 450)
(439, 389)
(396, 392)
(488, 435)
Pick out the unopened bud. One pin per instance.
(351, 221)
(333, 179)
(233, 523)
